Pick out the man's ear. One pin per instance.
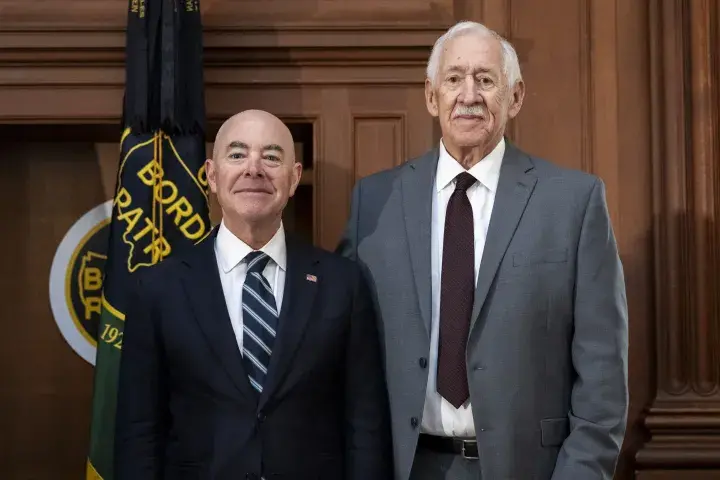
(518, 95)
(211, 175)
(431, 98)
(296, 175)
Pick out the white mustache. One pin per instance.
(477, 110)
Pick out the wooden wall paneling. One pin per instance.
(237, 14)
(334, 163)
(393, 101)
(46, 388)
(328, 12)
(286, 102)
(551, 123)
(378, 142)
(390, 125)
(59, 67)
(495, 14)
(292, 69)
(630, 198)
(367, 130)
(684, 419)
(44, 93)
(108, 157)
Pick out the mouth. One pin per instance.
(254, 191)
(468, 117)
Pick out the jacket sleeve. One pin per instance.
(142, 404)
(367, 411)
(599, 399)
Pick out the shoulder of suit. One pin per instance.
(321, 255)
(387, 175)
(545, 169)
(380, 181)
(339, 268)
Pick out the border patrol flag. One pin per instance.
(160, 205)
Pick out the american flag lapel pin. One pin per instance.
(311, 278)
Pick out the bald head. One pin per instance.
(253, 172)
(231, 130)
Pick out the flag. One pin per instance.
(160, 206)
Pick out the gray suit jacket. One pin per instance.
(547, 350)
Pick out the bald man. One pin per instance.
(253, 356)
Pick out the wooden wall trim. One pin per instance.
(238, 15)
(86, 39)
(684, 420)
(86, 67)
(63, 62)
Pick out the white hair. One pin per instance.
(511, 65)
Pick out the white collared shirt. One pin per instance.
(230, 253)
(439, 416)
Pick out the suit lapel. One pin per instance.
(298, 298)
(515, 186)
(203, 288)
(418, 179)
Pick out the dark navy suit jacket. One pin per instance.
(186, 409)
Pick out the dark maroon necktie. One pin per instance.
(457, 291)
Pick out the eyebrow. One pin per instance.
(273, 146)
(458, 68)
(236, 144)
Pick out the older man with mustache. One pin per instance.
(499, 290)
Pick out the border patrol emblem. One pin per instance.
(76, 278)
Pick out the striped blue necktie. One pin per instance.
(260, 319)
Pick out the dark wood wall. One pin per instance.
(627, 90)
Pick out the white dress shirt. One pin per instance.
(439, 416)
(230, 253)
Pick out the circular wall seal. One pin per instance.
(76, 279)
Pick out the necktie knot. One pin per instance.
(256, 261)
(464, 181)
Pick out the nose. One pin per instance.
(254, 166)
(469, 93)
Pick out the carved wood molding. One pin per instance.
(684, 420)
(55, 56)
(236, 15)
(96, 75)
(70, 52)
(291, 30)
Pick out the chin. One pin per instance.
(253, 215)
(469, 140)
(251, 211)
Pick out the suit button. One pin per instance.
(261, 417)
(423, 362)
(479, 367)
(414, 422)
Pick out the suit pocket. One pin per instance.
(558, 255)
(554, 431)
